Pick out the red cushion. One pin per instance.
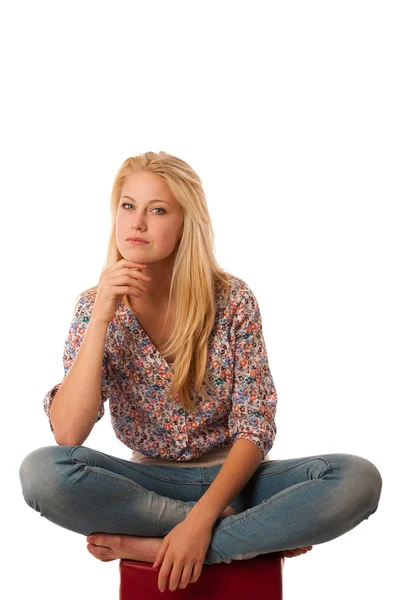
(252, 579)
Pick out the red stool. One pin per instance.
(258, 578)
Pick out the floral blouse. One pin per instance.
(135, 379)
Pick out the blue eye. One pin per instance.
(156, 208)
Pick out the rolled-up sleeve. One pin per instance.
(254, 397)
(72, 344)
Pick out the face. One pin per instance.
(147, 209)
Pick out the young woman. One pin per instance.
(176, 345)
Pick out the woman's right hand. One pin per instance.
(116, 281)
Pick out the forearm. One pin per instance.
(240, 464)
(74, 408)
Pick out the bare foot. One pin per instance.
(108, 547)
(296, 551)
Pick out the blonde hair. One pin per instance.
(195, 271)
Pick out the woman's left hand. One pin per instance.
(183, 550)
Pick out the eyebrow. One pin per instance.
(151, 201)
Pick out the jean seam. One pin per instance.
(262, 475)
(70, 452)
(330, 468)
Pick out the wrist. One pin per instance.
(96, 323)
(203, 517)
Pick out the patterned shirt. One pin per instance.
(135, 379)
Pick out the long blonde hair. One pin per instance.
(195, 271)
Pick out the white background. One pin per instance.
(289, 112)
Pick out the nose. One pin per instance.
(138, 220)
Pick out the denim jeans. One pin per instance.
(286, 504)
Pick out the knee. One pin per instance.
(39, 473)
(366, 480)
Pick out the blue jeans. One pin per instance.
(286, 503)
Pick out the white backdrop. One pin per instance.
(289, 113)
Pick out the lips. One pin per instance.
(136, 239)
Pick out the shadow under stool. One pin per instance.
(258, 578)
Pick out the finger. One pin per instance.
(196, 572)
(175, 576)
(186, 576)
(164, 574)
(160, 554)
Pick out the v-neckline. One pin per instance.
(129, 312)
(146, 336)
